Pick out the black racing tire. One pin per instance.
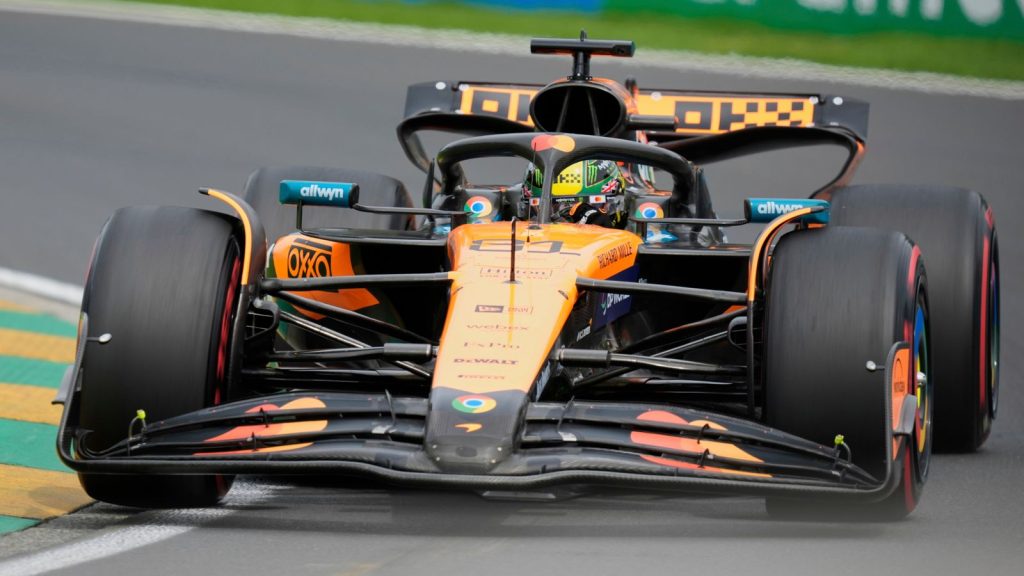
(956, 232)
(163, 283)
(262, 193)
(837, 298)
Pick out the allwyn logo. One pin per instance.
(772, 207)
(323, 192)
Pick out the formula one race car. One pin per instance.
(581, 326)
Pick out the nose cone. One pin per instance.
(472, 433)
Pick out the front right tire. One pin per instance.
(838, 298)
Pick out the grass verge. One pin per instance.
(900, 51)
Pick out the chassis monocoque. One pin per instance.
(454, 345)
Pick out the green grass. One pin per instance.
(900, 51)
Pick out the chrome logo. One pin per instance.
(474, 404)
(649, 210)
(479, 206)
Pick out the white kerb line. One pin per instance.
(159, 526)
(41, 286)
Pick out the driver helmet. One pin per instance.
(599, 184)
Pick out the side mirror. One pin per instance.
(339, 194)
(301, 192)
(764, 210)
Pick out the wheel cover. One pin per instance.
(924, 392)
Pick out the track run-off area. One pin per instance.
(98, 113)
(35, 348)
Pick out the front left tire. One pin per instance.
(164, 284)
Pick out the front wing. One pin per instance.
(628, 445)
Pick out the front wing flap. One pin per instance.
(629, 445)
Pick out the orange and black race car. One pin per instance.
(585, 325)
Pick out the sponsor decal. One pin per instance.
(713, 115)
(655, 235)
(547, 141)
(481, 376)
(469, 427)
(498, 308)
(767, 209)
(774, 208)
(650, 210)
(492, 345)
(609, 300)
(315, 190)
(498, 361)
(509, 103)
(474, 403)
(308, 259)
(317, 193)
(610, 307)
(583, 333)
(479, 206)
(526, 273)
(612, 256)
(899, 381)
(494, 327)
(697, 114)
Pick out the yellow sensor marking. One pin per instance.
(37, 346)
(39, 494)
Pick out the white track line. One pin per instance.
(159, 526)
(512, 45)
(41, 286)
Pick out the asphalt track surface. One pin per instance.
(96, 115)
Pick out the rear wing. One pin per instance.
(710, 126)
(697, 113)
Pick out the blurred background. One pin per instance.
(981, 38)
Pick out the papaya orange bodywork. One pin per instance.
(498, 333)
(300, 256)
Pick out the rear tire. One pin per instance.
(262, 190)
(163, 283)
(956, 232)
(838, 298)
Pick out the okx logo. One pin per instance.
(308, 259)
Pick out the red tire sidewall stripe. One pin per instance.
(983, 336)
(910, 445)
(225, 331)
